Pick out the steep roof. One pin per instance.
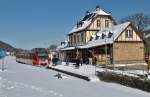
(146, 33)
(87, 20)
(101, 12)
(108, 36)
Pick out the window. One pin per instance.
(91, 38)
(129, 34)
(82, 37)
(103, 36)
(106, 23)
(78, 39)
(98, 23)
(110, 34)
(97, 37)
(74, 39)
(70, 39)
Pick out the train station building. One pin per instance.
(97, 35)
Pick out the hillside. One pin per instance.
(6, 46)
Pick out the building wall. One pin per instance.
(93, 29)
(89, 34)
(77, 38)
(102, 23)
(62, 56)
(82, 37)
(135, 35)
(129, 52)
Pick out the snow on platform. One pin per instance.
(88, 71)
(21, 80)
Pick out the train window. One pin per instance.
(30, 56)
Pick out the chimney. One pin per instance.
(97, 8)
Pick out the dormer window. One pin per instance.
(103, 36)
(79, 24)
(110, 35)
(62, 43)
(98, 23)
(97, 37)
(106, 23)
(87, 17)
(129, 34)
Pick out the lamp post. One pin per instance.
(94, 60)
(77, 57)
(147, 52)
(3, 64)
(105, 48)
(113, 62)
(2, 56)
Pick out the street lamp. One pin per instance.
(2, 56)
(113, 62)
(105, 48)
(3, 64)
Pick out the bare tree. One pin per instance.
(52, 47)
(139, 20)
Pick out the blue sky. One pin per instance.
(39, 23)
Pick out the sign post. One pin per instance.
(2, 56)
(2, 64)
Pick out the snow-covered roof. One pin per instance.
(63, 45)
(146, 36)
(84, 26)
(87, 20)
(60, 47)
(107, 36)
(101, 12)
(68, 48)
(115, 31)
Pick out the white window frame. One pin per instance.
(129, 34)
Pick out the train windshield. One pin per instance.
(42, 55)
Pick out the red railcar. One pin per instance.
(43, 55)
(28, 57)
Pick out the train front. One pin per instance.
(43, 58)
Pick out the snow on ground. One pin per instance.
(20, 80)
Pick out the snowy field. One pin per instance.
(20, 80)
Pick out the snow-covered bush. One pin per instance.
(131, 81)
